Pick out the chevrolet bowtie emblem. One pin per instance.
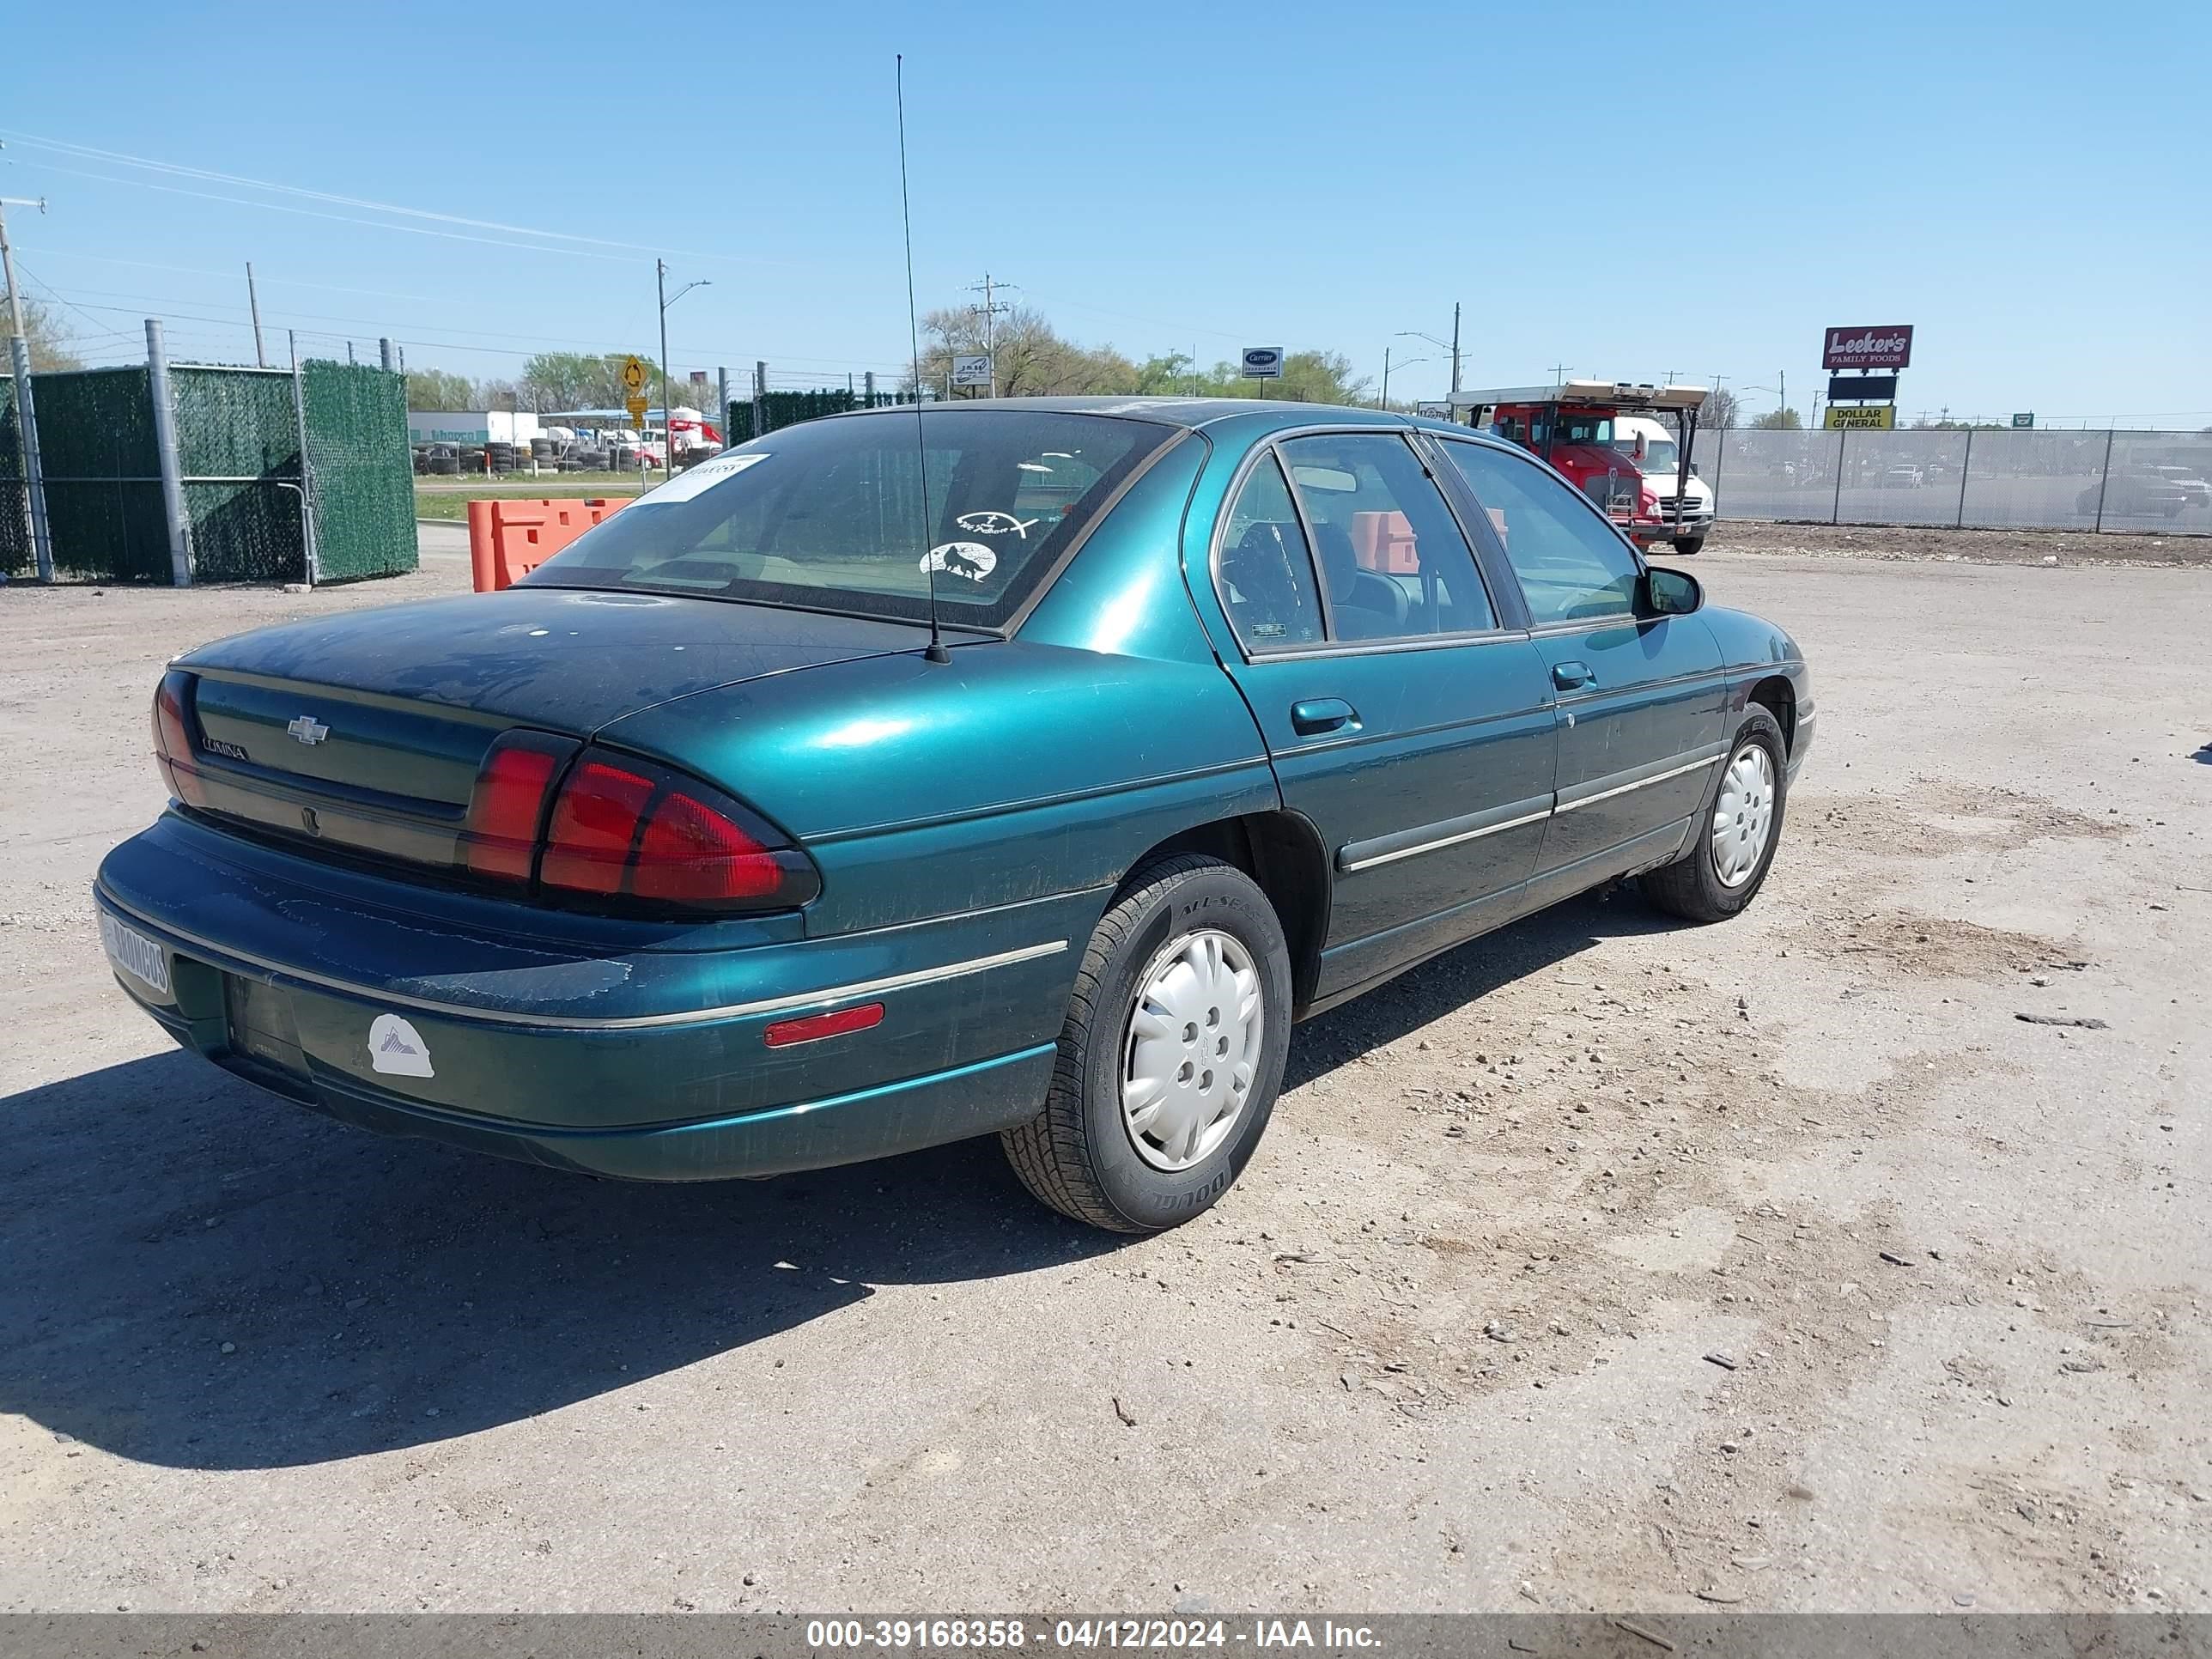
(308, 729)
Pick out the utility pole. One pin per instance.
(990, 309)
(1558, 375)
(1383, 402)
(253, 304)
(1455, 346)
(667, 420)
(660, 286)
(27, 416)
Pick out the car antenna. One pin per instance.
(936, 652)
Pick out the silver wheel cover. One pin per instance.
(1192, 1049)
(1743, 816)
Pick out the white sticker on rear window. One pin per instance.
(704, 477)
(397, 1048)
(970, 559)
(995, 523)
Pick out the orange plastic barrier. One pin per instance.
(509, 539)
(1384, 541)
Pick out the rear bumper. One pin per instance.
(622, 1057)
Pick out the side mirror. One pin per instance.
(1693, 469)
(1670, 592)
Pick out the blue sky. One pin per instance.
(1627, 191)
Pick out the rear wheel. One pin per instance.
(1735, 840)
(1171, 1056)
(1686, 546)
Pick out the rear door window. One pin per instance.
(1391, 556)
(1267, 574)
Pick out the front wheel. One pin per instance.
(1686, 546)
(1171, 1054)
(1733, 842)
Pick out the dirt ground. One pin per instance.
(1605, 1263)
(1904, 543)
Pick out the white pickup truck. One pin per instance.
(1653, 445)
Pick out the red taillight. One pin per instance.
(623, 828)
(508, 803)
(692, 852)
(173, 742)
(813, 1028)
(595, 825)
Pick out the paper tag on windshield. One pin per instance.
(704, 477)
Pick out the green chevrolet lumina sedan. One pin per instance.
(1023, 768)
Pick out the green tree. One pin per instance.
(1780, 420)
(1033, 359)
(46, 337)
(1308, 377)
(1167, 375)
(579, 379)
(437, 388)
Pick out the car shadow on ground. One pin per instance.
(204, 1277)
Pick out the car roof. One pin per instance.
(1194, 413)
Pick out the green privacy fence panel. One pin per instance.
(238, 446)
(363, 469)
(789, 408)
(103, 481)
(238, 451)
(15, 555)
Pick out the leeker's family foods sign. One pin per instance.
(1869, 348)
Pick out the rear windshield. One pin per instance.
(830, 515)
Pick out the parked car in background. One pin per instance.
(1904, 475)
(696, 854)
(2195, 490)
(2135, 492)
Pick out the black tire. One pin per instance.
(1692, 887)
(1687, 545)
(1078, 1155)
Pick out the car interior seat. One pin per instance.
(1368, 606)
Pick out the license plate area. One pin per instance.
(135, 955)
(258, 1019)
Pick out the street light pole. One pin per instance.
(667, 433)
(667, 419)
(1450, 345)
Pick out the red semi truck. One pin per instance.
(1572, 427)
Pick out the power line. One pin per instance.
(88, 152)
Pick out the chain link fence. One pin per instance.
(1990, 478)
(749, 418)
(250, 503)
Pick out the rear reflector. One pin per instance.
(814, 1027)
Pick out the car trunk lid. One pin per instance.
(366, 732)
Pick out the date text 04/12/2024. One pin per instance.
(1160, 1634)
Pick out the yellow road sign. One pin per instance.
(1869, 417)
(634, 372)
(636, 407)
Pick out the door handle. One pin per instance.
(1572, 676)
(1316, 715)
